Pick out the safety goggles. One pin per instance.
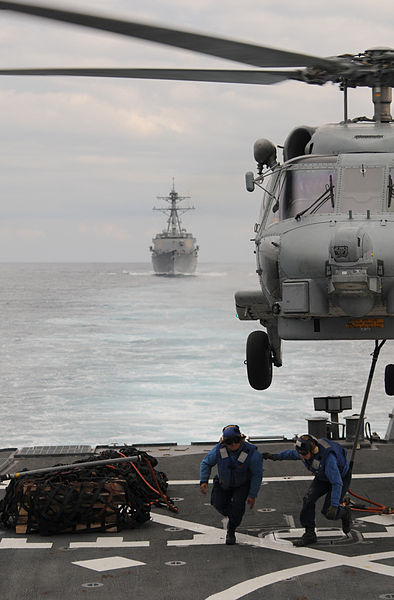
(232, 440)
(303, 452)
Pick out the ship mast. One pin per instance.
(173, 222)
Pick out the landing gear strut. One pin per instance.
(259, 360)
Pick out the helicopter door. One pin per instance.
(362, 188)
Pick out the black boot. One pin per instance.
(230, 537)
(347, 520)
(307, 539)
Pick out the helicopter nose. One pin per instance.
(351, 244)
(351, 287)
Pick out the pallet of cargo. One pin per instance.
(77, 506)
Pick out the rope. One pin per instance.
(168, 502)
(380, 508)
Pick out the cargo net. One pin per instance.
(105, 498)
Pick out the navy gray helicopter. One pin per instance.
(325, 238)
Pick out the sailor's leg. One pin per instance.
(316, 490)
(344, 512)
(236, 512)
(307, 515)
(237, 508)
(327, 502)
(221, 499)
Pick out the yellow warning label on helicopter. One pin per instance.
(365, 323)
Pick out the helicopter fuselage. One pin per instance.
(325, 238)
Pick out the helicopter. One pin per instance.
(324, 238)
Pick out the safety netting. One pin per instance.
(102, 498)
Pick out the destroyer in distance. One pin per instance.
(174, 251)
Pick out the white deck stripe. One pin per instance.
(108, 564)
(246, 587)
(328, 559)
(110, 542)
(289, 478)
(23, 544)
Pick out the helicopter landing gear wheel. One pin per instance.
(389, 380)
(259, 360)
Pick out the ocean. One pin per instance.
(110, 353)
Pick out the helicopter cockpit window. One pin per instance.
(269, 214)
(307, 190)
(361, 189)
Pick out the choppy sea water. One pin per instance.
(102, 353)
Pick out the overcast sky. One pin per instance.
(82, 160)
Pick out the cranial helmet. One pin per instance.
(305, 444)
(231, 431)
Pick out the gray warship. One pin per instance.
(174, 250)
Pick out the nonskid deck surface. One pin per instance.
(179, 556)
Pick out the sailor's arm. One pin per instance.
(256, 470)
(334, 477)
(284, 455)
(206, 465)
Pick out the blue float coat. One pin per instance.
(255, 467)
(331, 471)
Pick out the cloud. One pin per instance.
(74, 150)
(103, 230)
(21, 233)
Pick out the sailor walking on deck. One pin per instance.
(327, 460)
(240, 471)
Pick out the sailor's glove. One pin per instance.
(203, 487)
(269, 456)
(332, 512)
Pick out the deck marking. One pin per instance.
(386, 520)
(206, 539)
(290, 521)
(109, 542)
(22, 544)
(288, 478)
(389, 533)
(297, 532)
(326, 560)
(362, 562)
(250, 585)
(190, 525)
(108, 564)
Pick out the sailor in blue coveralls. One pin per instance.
(240, 471)
(328, 462)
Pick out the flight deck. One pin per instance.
(183, 555)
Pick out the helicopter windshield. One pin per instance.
(361, 189)
(302, 187)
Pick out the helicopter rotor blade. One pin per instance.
(211, 75)
(251, 54)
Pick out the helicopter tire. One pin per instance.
(389, 380)
(259, 360)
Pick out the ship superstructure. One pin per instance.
(174, 250)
